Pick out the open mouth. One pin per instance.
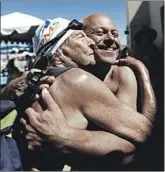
(110, 49)
(101, 47)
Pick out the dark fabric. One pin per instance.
(57, 71)
(6, 130)
(9, 155)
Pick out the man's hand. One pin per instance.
(77, 50)
(16, 87)
(133, 63)
(50, 124)
(34, 138)
(45, 81)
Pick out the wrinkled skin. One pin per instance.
(102, 47)
(83, 53)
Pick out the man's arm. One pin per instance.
(125, 79)
(148, 99)
(99, 105)
(52, 125)
(16, 87)
(127, 89)
(98, 143)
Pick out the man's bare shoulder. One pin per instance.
(124, 74)
(79, 84)
(123, 70)
(74, 87)
(76, 77)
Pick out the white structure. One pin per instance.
(19, 22)
(145, 13)
(18, 27)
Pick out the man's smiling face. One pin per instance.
(102, 31)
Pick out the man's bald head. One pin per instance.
(95, 19)
(102, 30)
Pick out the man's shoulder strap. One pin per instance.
(57, 71)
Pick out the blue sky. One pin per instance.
(70, 9)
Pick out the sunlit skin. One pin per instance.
(88, 100)
(101, 29)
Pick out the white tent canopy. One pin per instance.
(19, 22)
(15, 25)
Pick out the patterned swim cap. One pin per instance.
(49, 30)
